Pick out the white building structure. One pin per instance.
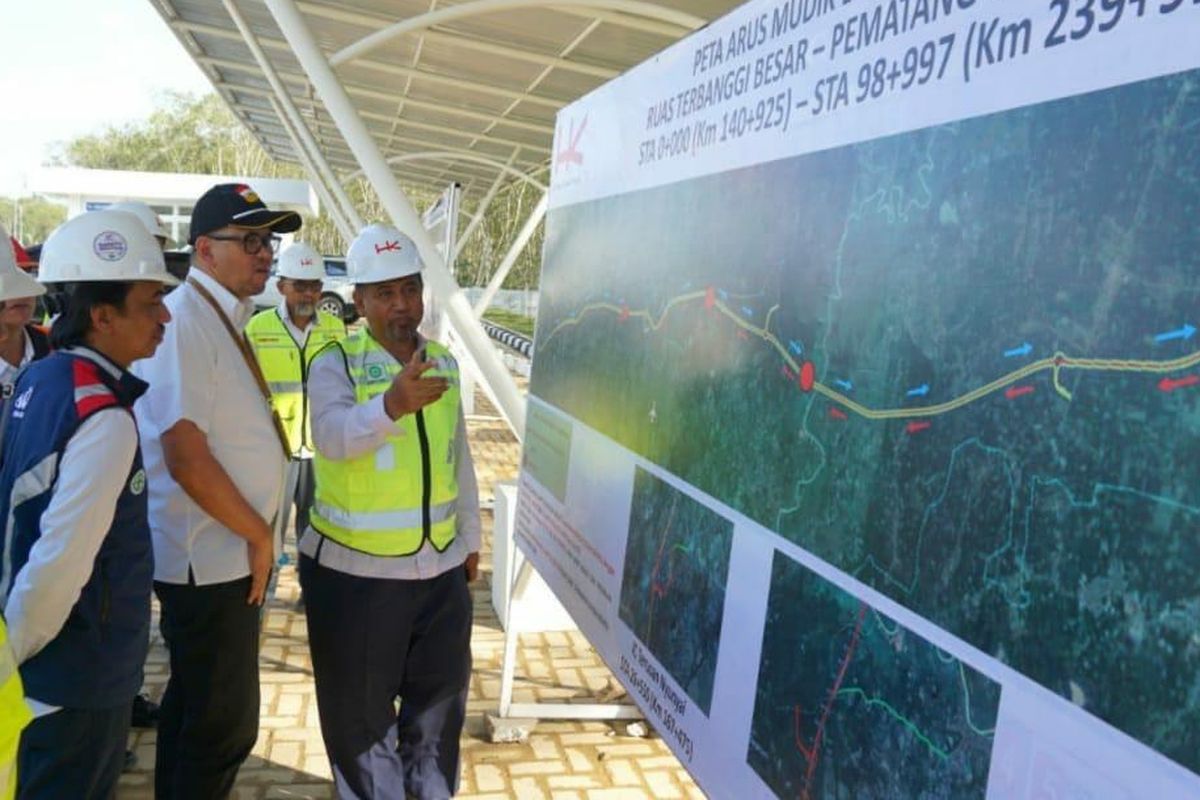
(170, 194)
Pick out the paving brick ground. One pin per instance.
(561, 761)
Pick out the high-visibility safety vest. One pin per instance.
(285, 367)
(389, 501)
(14, 716)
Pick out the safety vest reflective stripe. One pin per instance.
(366, 521)
(373, 503)
(285, 387)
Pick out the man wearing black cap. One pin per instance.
(215, 467)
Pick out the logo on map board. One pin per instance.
(570, 154)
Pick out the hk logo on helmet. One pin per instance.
(387, 247)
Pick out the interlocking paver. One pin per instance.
(563, 760)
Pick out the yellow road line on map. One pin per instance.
(1057, 362)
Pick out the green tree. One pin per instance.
(201, 135)
(30, 219)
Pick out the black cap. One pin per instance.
(237, 204)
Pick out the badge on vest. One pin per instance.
(137, 484)
(376, 372)
(21, 403)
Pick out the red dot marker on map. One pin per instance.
(808, 375)
(710, 298)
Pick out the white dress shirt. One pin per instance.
(8, 373)
(343, 429)
(299, 335)
(199, 374)
(91, 476)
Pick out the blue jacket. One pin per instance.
(97, 658)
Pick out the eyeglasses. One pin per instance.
(252, 243)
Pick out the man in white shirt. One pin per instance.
(215, 463)
(75, 564)
(393, 541)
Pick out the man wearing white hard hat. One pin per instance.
(394, 539)
(76, 563)
(285, 339)
(21, 342)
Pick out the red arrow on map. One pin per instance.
(838, 414)
(1013, 392)
(1168, 385)
(916, 427)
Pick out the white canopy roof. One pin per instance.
(459, 91)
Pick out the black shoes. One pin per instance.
(145, 712)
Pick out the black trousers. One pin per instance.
(209, 718)
(73, 754)
(375, 640)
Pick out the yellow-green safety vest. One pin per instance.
(285, 367)
(14, 716)
(389, 501)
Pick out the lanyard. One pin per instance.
(251, 362)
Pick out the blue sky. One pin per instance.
(70, 67)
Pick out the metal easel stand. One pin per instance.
(514, 721)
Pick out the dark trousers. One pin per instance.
(73, 754)
(305, 490)
(375, 640)
(209, 718)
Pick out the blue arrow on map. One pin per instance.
(748, 311)
(846, 386)
(1179, 333)
(795, 347)
(1024, 350)
(920, 391)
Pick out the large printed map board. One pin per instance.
(871, 331)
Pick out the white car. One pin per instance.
(337, 295)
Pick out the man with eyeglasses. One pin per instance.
(285, 340)
(215, 462)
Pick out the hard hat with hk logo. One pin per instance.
(302, 263)
(382, 253)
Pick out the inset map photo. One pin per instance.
(673, 587)
(850, 704)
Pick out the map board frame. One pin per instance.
(862, 436)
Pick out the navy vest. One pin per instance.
(97, 658)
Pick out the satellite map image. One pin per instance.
(959, 364)
(673, 587)
(851, 704)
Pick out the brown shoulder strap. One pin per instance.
(243, 347)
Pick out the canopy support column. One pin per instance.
(514, 252)
(349, 212)
(398, 206)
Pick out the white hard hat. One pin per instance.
(381, 253)
(103, 246)
(14, 282)
(302, 263)
(146, 214)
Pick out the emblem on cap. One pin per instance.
(247, 193)
(110, 246)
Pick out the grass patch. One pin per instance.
(518, 323)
